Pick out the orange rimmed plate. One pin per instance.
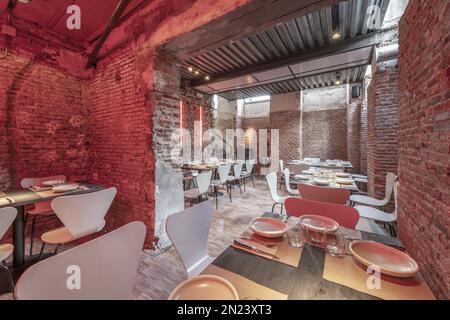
(389, 260)
(318, 223)
(205, 287)
(268, 227)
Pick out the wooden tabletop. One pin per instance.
(346, 165)
(351, 187)
(302, 283)
(23, 197)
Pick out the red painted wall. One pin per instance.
(424, 139)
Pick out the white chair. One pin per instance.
(224, 171)
(40, 209)
(82, 215)
(378, 215)
(7, 216)
(188, 230)
(373, 202)
(287, 179)
(248, 172)
(235, 178)
(103, 268)
(202, 180)
(272, 182)
(281, 173)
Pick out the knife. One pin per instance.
(252, 248)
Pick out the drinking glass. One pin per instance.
(335, 244)
(296, 233)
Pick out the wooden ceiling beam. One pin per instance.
(112, 23)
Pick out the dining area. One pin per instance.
(252, 153)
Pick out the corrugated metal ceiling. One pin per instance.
(304, 33)
(350, 75)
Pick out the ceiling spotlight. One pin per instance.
(24, 1)
(207, 78)
(338, 78)
(336, 36)
(196, 72)
(190, 69)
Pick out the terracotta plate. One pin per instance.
(65, 187)
(302, 177)
(319, 223)
(391, 261)
(321, 181)
(344, 181)
(52, 183)
(205, 287)
(342, 174)
(268, 227)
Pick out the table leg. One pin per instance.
(19, 239)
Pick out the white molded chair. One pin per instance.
(272, 182)
(81, 214)
(281, 173)
(7, 216)
(41, 209)
(287, 179)
(373, 202)
(202, 180)
(378, 215)
(235, 178)
(224, 171)
(106, 267)
(188, 230)
(248, 173)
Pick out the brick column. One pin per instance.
(382, 123)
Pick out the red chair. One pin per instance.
(323, 194)
(346, 216)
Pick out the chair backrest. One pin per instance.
(390, 181)
(249, 165)
(224, 171)
(271, 179)
(323, 194)
(287, 180)
(203, 181)
(103, 268)
(346, 216)
(84, 214)
(7, 216)
(281, 166)
(28, 182)
(396, 185)
(237, 169)
(188, 230)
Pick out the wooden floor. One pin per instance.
(158, 275)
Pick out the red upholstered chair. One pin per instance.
(323, 194)
(346, 216)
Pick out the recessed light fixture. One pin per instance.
(190, 69)
(336, 36)
(207, 78)
(338, 78)
(196, 72)
(24, 1)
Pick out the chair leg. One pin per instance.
(33, 227)
(253, 182)
(229, 192)
(42, 251)
(273, 207)
(216, 191)
(240, 189)
(56, 249)
(244, 180)
(10, 279)
(282, 205)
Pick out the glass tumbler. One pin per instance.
(296, 234)
(335, 244)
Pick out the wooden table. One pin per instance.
(345, 165)
(24, 197)
(303, 283)
(352, 187)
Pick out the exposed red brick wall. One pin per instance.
(325, 134)
(121, 152)
(288, 124)
(382, 122)
(354, 134)
(424, 139)
(363, 126)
